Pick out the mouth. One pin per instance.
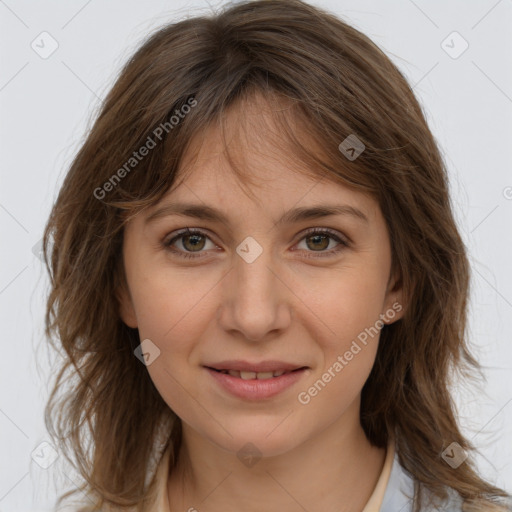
(250, 375)
(247, 384)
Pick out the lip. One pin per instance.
(256, 389)
(246, 366)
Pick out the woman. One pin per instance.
(300, 359)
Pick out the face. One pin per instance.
(258, 285)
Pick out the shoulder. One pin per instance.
(400, 491)
(155, 482)
(399, 494)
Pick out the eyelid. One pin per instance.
(169, 240)
(335, 234)
(342, 240)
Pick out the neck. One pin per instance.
(336, 470)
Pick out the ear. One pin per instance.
(394, 305)
(126, 309)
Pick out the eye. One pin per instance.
(319, 239)
(189, 243)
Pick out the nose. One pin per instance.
(255, 301)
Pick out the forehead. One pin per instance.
(249, 138)
(248, 152)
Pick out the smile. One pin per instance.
(254, 375)
(249, 385)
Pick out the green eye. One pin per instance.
(317, 240)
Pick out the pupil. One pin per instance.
(317, 239)
(194, 240)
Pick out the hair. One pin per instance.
(335, 82)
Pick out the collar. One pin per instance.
(393, 492)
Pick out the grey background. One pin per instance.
(47, 104)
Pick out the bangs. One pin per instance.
(259, 117)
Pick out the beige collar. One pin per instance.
(161, 503)
(375, 502)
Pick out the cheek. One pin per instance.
(170, 306)
(346, 303)
(347, 327)
(174, 321)
(173, 313)
(348, 353)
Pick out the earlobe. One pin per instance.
(394, 303)
(126, 309)
(395, 310)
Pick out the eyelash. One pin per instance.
(321, 254)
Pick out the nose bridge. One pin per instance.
(253, 300)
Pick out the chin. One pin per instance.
(266, 438)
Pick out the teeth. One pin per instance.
(264, 375)
(254, 375)
(247, 375)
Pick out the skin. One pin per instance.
(284, 305)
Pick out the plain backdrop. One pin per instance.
(48, 101)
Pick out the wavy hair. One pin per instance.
(104, 410)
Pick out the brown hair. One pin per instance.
(338, 83)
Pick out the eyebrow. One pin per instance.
(204, 212)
